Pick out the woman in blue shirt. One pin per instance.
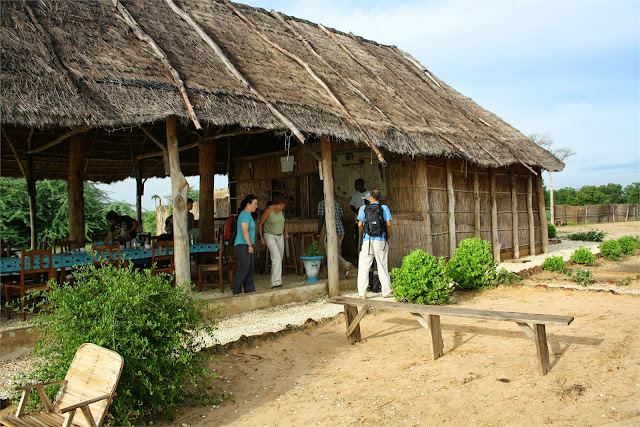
(243, 245)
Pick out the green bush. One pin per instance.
(628, 245)
(422, 279)
(555, 263)
(140, 316)
(610, 250)
(587, 236)
(583, 277)
(313, 249)
(583, 256)
(472, 265)
(507, 277)
(552, 231)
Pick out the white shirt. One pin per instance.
(358, 198)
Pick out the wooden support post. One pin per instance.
(139, 191)
(476, 205)
(330, 217)
(495, 240)
(544, 232)
(541, 347)
(532, 224)
(77, 155)
(435, 331)
(179, 191)
(31, 192)
(207, 164)
(452, 209)
(427, 215)
(350, 314)
(514, 214)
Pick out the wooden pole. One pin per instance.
(330, 217)
(532, 225)
(139, 191)
(514, 214)
(207, 164)
(544, 232)
(75, 178)
(452, 209)
(179, 191)
(495, 241)
(31, 191)
(427, 215)
(476, 200)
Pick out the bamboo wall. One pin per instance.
(596, 213)
(435, 203)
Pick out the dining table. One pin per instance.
(11, 265)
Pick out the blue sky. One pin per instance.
(567, 68)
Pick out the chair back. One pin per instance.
(106, 254)
(44, 243)
(97, 237)
(36, 262)
(162, 251)
(65, 245)
(5, 249)
(94, 372)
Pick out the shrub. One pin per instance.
(552, 231)
(610, 250)
(587, 236)
(313, 249)
(507, 277)
(583, 277)
(583, 256)
(421, 279)
(555, 263)
(472, 265)
(628, 245)
(140, 316)
(569, 222)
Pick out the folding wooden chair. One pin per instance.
(89, 386)
(162, 258)
(222, 263)
(106, 254)
(65, 245)
(39, 265)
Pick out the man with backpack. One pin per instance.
(375, 223)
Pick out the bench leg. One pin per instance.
(433, 325)
(353, 318)
(538, 335)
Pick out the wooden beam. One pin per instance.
(451, 209)
(235, 133)
(163, 148)
(476, 203)
(356, 320)
(532, 224)
(161, 56)
(542, 213)
(207, 169)
(514, 214)
(77, 154)
(435, 331)
(350, 313)
(58, 140)
(139, 190)
(179, 191)
(234, 71)
(427, 215)
(15, 154)
(330, 217)
(495, 240)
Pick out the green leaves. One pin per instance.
(422, 279)
(472, 265)
(583, 256)
(555, 263)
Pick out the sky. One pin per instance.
(569, 69)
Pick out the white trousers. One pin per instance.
(378, 249)
(275, 243)
(342, 263)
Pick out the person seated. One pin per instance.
(190, 216)
(168, 228)
(122, 228)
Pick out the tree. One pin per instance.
(566, 196)
(591, 195)
(631, 193)
(545, 141)
(613, 192)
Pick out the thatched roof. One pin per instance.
(67, 64)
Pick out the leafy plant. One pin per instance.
(610, 250)
(625, 282)
(552, 230)
(583, 277)
(587, 236)
(507, 277)
(472, 265)
(555, 263)
(313, 249)
(583, 256)
(142, 317)
(628, 245)
(421, 279)
(569, 222)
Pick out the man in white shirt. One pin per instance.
(360, 198)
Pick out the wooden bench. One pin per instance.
(533, 325)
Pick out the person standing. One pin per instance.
(375, 223)
(122, 228)
(360, 198)
(273, 232)
(339, 213)
(243, 246)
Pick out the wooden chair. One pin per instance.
(65, 245)
(89, 386)
(162, 258)
(5, 249)
(97, 237)
(223, 262)
(36, 268)
(44, 243)
(106, 254)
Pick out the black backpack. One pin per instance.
(374, 223)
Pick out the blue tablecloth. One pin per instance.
(12, 264)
